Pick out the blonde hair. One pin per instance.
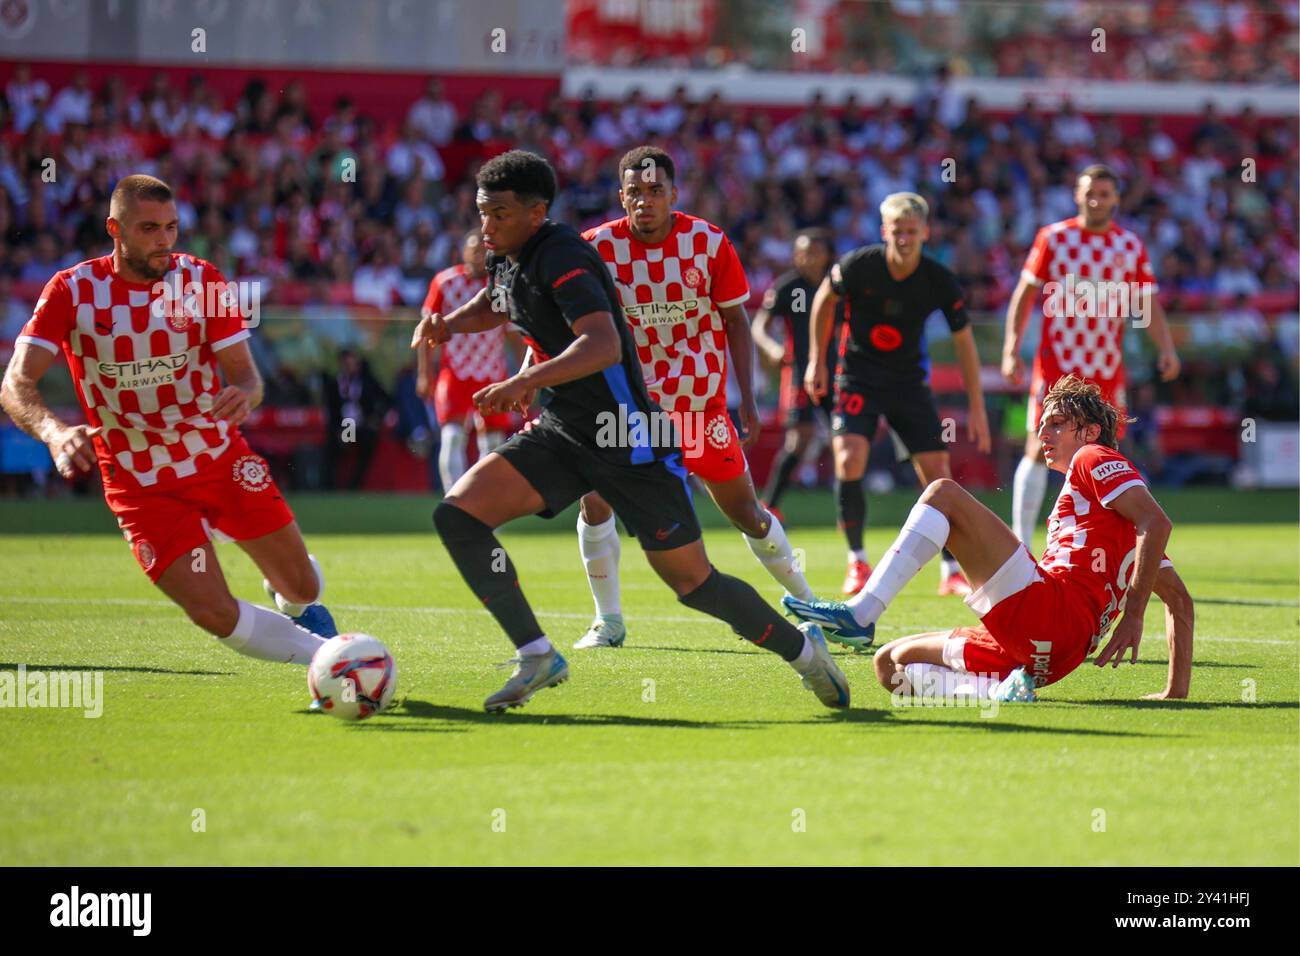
(899, 205)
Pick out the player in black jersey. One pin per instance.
(889, 290)
(789, 301)
(552, 285)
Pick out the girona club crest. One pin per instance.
(718, 432)
(144, 553)
(252, 474)
(693, 277)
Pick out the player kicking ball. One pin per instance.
(890, 289)
(1038, 622)
(149, 335)
(552, 285)
(683, 291)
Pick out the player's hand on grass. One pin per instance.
(231, 405)
(977, 430)
(431, 331)
(1127, 634)
(502, 396)
(816, 381)
(1169, 365)
(1166, 694)
(72, 450)
(750, 423)
(1012, 367)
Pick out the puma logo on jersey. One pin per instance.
(1109, 468)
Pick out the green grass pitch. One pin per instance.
(685, 747)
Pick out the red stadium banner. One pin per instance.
(623, 31)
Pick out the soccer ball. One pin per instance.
(352, 677)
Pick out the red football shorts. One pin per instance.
(235, 496)
(453, 400)
(1025, 621)
(710, 444)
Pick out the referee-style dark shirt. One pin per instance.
(885, 345)
(558, 278)
(790, 299)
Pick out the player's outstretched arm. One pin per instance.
(770, 349)
(1168, 364)
(741, 345)
(70, 446)
(1153, 528)
(1017, 318)
(1179, 621)
(968, 359)
(476, 315)
(596, 347)
(816, 378)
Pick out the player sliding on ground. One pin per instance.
(145, 347)
(890, 289)
(1097, 278)
(683, 292)
(1038, 622)
(552, 285)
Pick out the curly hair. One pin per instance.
(635, 159)
(1081, 404)
(527, 175)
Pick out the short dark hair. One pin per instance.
(527, 175)
(1081, 404)
(635, 159)
(1100, 171)
(819, 235)
(131, 189)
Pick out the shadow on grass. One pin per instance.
(113, 667)
(1185, 704)
(883, 718)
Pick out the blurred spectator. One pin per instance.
(355, 404)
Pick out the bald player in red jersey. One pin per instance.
(1096, 278)
(1038, 620)
(149, 335)
(683, 292)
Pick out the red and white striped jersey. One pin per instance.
(143, 360)
(478, 357)
(671, 293)
(1096, 280)
(1089, 545)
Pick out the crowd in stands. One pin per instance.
(1205, 41)
(266, 189)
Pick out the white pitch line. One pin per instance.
(661, 618)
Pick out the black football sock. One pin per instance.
(780, 477)
(732, 600)
(852, 505)
(488, 571)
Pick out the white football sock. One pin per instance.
(935, 681)
(600, 550)
(536, 647)
(805, 658)
(451, 454)
(268, 636)
(858, 554)
(489, 440)
(923, 536)
(1027, 493)
(775, 554)
(295, 610)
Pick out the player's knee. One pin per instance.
(218, 616)
(942, 493)
(594, 509)
(452, 521)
